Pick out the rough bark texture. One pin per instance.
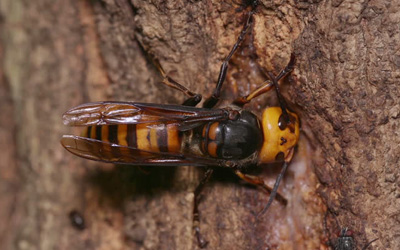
(349, 89)
(57, 54)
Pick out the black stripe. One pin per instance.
(113, 134)
(221, 139)
(113, 138)
(131, 135)
(162, 138)
(206, 138)
(89, 132)
(98, 132)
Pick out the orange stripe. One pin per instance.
(174, 141)
(104, 133)
(212, 149)
(212, 132)
(142, 133)
(122, 131)
(153, 138)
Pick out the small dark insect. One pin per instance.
(345, 241)
(147, 134)
(77, 220)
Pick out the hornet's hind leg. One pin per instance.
(196, 217)
(193, 98)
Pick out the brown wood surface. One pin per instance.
(57, 54)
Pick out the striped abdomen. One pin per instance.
(157, 137)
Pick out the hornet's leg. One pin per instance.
(214, 98)
(275, 80)
(274, 191)
(268, 85)
(257, 181)
(193, 98)
(196, 217)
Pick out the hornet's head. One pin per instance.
(280, 137)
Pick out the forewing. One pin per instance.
(111, 113)
(97, 150)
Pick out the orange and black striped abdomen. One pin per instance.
(232, 139)
(155, 137)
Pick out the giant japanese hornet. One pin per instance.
(170, 135)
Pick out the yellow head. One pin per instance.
(280, 138)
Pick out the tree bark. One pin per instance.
(55, 55)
